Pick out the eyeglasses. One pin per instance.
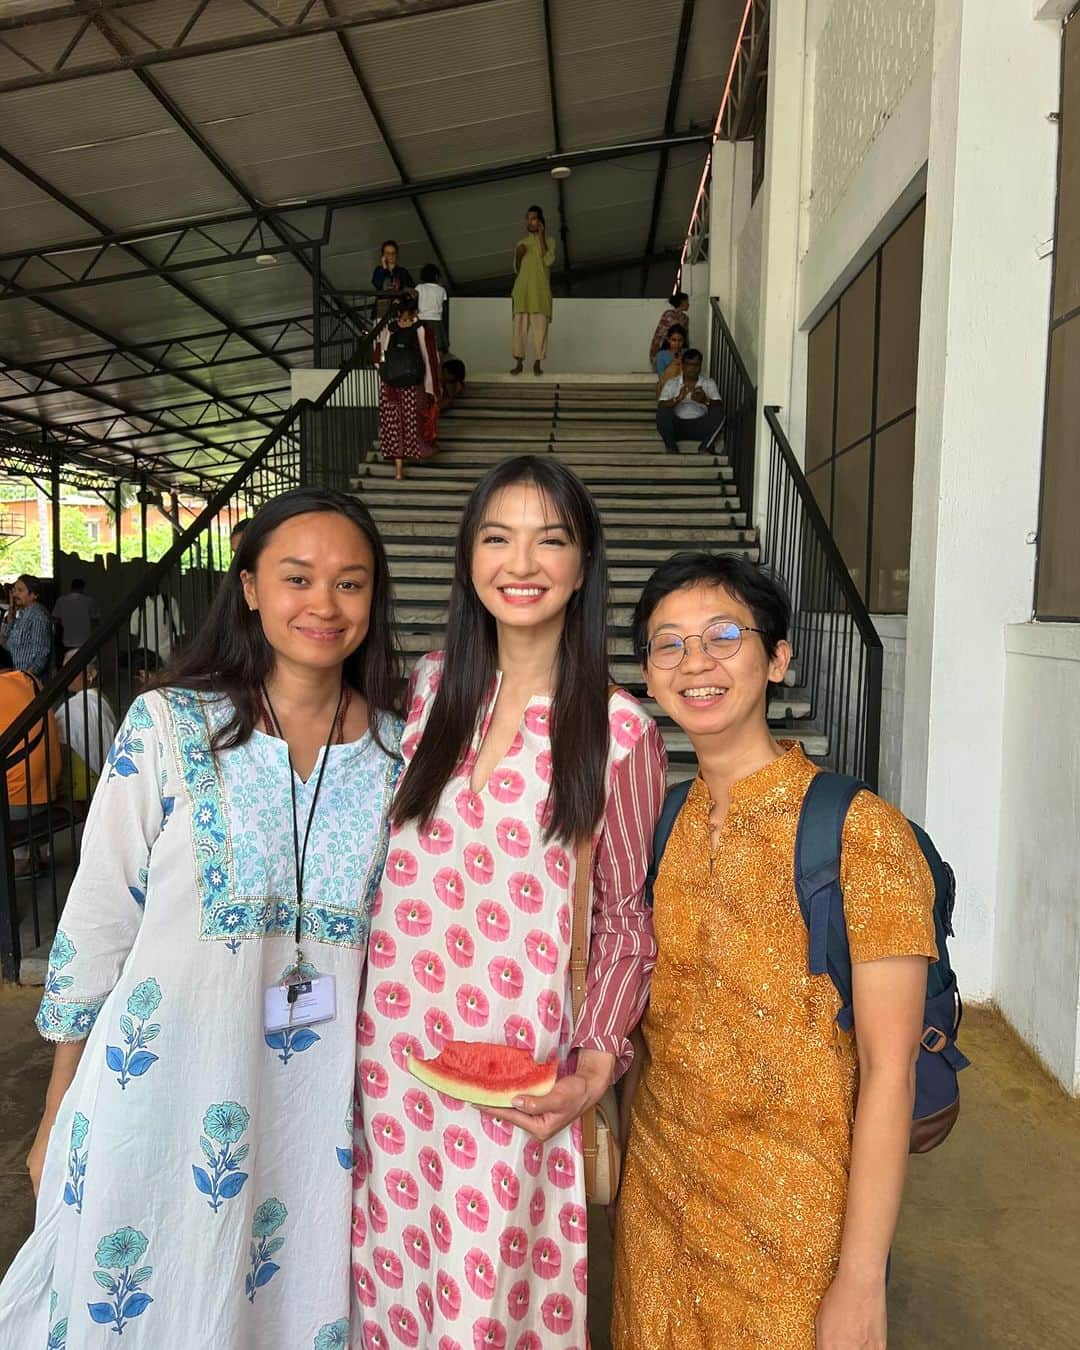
(720, 642)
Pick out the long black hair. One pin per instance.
(579, 709)
(230, 654)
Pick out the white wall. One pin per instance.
(892, 629)
(748, 285)
(604, 337)
(1037, 960)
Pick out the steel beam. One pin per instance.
(556, 130)
(388, 141)
(275, 30)
(70, 204)
(682, 46)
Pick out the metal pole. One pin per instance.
(316, 309)
(54, 488)
(118, 516)
(142, 512)
(10, 947)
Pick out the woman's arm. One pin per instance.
(66, 1059)
(622, 949)
(888, 998)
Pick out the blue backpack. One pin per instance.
(817, 885)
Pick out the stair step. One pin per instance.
(404, 527)
(440, 571)
(631, 478)
(705, 508)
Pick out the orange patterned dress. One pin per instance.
(737, 1167)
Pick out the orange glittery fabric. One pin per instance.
(736, 1173)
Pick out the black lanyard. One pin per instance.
(300, 854)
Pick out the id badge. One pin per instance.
(315, 1002)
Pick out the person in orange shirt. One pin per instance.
(760, 1196)
(34, 766)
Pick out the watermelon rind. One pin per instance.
(511, 1073)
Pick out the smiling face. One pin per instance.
(525, 567)
(676, 342)
(312, 587)
(707, 697)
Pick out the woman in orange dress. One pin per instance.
(758, 1206)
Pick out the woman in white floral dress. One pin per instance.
(469, 1227)
(193, 1164)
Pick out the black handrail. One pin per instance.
(170, 599)
(832, 635)
(738, 399)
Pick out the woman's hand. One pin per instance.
(852, 1314)
(35, 1159)
(543, 1117)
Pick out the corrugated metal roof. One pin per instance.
(456, 91)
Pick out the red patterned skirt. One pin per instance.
(408, 422)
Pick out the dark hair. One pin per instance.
(536, 211)
(579, 709)
(230, 654)
(407, 304)
(678, 298)
(691, 354)
(78, 584)
(429, 272)
(7, 661)
(455, 369)
(388, 243)
(145, 659)
(239, 527)
(677, 328)
(763, 593)
(32, 584)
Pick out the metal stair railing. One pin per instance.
(738, 398)
(317, 441)
(832, 635)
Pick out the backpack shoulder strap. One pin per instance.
(818, 844)
(673, 804)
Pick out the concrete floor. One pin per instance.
(988, 1252)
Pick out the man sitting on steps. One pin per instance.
(689, 408)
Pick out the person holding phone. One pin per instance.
(690, 408)
(534, 258)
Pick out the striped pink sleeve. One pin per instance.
(622, 952)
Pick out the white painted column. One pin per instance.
(732, 172)
(780, 227)
(982, 352)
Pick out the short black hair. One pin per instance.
(239, 527)
(678, 298)
(406, 304)
(429, 272)
(761, 591)
(455, 369)
(388, 243)
(692, 354)
(78, 584)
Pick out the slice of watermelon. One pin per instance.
(486, 1075)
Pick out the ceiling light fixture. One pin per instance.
(266, 259)
(561, 171)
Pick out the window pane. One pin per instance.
(901, 292)
(819, 391)
(1067, 233)
(1059, 541)
(855, 386)
(894, 469)
(850, 491)
(820, 481)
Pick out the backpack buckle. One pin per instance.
(933, 1040)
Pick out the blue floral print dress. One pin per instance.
(197, 1185)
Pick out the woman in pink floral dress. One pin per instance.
(469, 1227)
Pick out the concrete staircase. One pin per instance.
(652, 505)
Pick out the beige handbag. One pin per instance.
(600, 1145)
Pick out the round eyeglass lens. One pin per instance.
(722, 640)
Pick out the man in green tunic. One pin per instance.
(533, 259)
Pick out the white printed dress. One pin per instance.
(467, 1233)
(197, 1185)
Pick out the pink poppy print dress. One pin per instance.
(468, 1234)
